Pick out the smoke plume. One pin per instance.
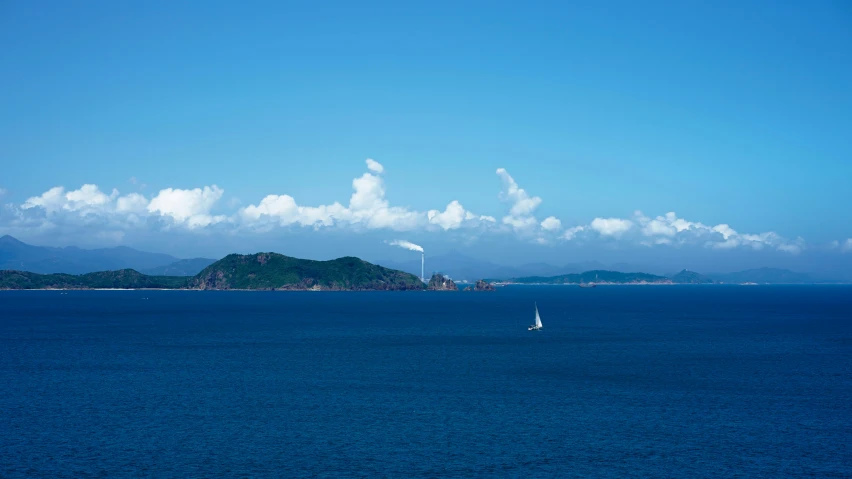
(407, 245)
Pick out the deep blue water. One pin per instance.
(656, 381)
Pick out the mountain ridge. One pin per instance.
(17, 255)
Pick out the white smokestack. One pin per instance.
(413, 247)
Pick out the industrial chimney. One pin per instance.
(422, 266)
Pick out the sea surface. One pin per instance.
(623, 381)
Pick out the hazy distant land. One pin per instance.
(24, 266)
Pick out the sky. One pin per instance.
(714, 134)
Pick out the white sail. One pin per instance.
(537, 317)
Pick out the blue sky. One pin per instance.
(727, 113)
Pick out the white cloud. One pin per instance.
(659, 226)
(521, 223)
(522, 205)
(551, 223)
(790, 248)
(368, 208)
(51, 200)
(133, 203)
(611, 226)
(375, 166)
(451, 218)
(89, 199)
(285, 211)
(572, 232)
(189, 207)
(847, 246)
(670, 230)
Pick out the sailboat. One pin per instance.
(537, 325)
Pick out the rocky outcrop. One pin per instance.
(482, 285)
(440, 282)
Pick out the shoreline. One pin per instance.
(496, 285)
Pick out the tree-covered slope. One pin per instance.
(764, 275)
(597, 276)
(184, 267)
(276, 271)
(690, 277)
(121, 279)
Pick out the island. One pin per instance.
(439, 282)
(273, 271)
(121, 279)
(260, 271)
(592, 277)
(277, 272)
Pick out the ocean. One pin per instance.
(623, 381)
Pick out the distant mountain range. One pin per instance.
(461, 267)
(183, 267)
(764, 275)
(17, 255)
(594, 277)
(758, 276)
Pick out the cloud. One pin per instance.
(847, 246)
(522, 205)
(670, 230)
(611, 226)
(133, 203)
(368, 208)
(88, 200)
(375, 166)
(551, 223)
(89, 206)
(188, 207)
(407, 245)
(451, 218)
(51, 200)
(572, 232)
(96, 211)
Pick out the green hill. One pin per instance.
(272, 271)
(184, 267)
(121, 279)
(596, 276)
(690, 277)
(765, 276)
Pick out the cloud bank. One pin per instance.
(199, 209)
